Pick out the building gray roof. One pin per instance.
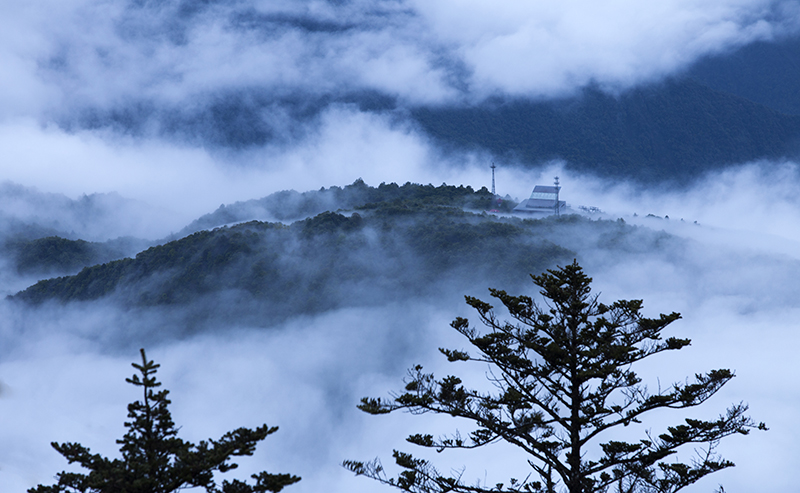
(543, 199)
(544, 189)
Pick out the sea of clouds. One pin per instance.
(101, 97)
(733, 278)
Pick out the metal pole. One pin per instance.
(493, 191)
(558, 189)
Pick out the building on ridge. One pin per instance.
(543, 200)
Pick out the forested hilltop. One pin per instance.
(54, 255)
(402, 242)
(34, 249)
(289, 205)
(324, 262)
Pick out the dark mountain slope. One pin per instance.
(321, 263)
(54, 255)
(764, 72)
(411, 242)
(671, 131)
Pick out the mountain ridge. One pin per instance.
(668, 132)
(417, 241)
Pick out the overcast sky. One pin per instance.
(183, 105)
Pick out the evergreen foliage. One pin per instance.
(316, 263)
(57, 255)
(155, 460)
(271, 261)
(564, 382)
(290, 205)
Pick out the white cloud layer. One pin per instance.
(95, 54)
(733, 279)
(547, 48)
(745, 246)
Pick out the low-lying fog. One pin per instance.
(733, 276)
(132, 119)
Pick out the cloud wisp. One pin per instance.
(148, 67)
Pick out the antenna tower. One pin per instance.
(557, 205)
(493, 167)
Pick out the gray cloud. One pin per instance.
(541, 49)
(127, 97)
(177, 81)
(64, 59)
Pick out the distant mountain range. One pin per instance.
(767, 73)
(727, 109)
(672, 131)
(264, 272)
(290, 205)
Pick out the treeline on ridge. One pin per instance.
(57, 255)
(289, 205)
(35, 250)
(327, 261)
(412, 241)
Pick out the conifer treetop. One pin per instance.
(155, 460)
(564, 380)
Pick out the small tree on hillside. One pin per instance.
(564, 381)
(155, 460)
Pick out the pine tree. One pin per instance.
(564, 382)
(155, 460)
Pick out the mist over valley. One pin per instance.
(286, 203)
